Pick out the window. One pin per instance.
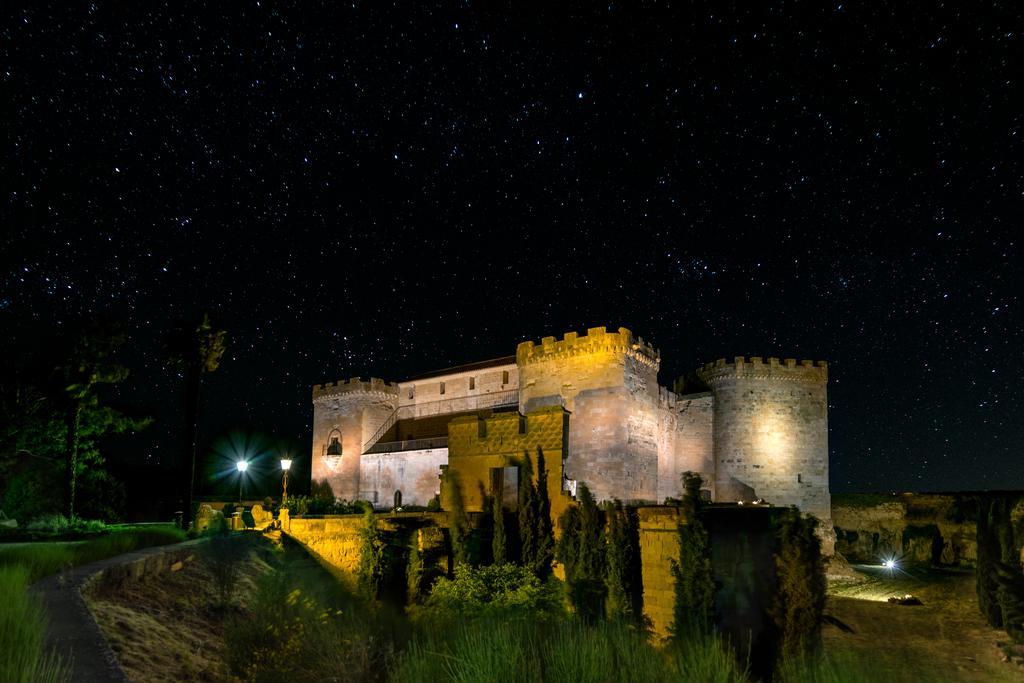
(472, 383)
(411, 391)
(800, 478)
(442, 388)
(504, 377)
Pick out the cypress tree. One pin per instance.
(582, 550)
(800, 595)
(414, 570)
(498, 539)
(528, 542)
(458, 524)
(545, 531)
(695, 585)
(371, 568)
(618, 563)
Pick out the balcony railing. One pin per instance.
(497, 399)
(409, 445)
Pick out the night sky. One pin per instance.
(356, 189)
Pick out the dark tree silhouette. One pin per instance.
(197, 348)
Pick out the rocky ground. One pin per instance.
(943, 639)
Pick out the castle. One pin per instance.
(754, 429)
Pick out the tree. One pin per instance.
(198, 348)
(582, 552)
(695, 585)
(458, 523)
(88, 363)
(528, 541)
(414, 570)
(498, 541)
(545, 531)
(371, 570)
(800, 596)
(620, 562)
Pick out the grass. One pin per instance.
(44, 559)
(22, 631)
(565, 651)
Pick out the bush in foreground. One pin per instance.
(507, 591)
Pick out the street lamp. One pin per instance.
(242, 466)
(286, 464)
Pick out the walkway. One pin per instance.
(71, 630)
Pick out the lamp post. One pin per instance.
(242, 466)
(286, 464)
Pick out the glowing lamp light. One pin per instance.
(242, 465)
(286, 464)
(889, 564)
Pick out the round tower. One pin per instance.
(345, 416)
(771, 433)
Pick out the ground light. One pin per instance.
(889, 564)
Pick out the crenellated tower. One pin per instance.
(345, 415)
(608, 381)
(771, 433)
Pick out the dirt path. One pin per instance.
(72, 632)
(945, 639)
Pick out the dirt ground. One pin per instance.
(166, 627)
(944, 639)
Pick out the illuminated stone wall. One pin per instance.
(659, 547)
(423, 393)
(685, 442)
(478, 445)
(771, 434)
(608, 381)
(415, 473)
(355, 409)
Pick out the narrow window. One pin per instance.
(442, 388)
(504, 377)
(472, 383)
(800, 478)
(411, 391)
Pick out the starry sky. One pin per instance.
(365, 188)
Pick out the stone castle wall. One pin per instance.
(457, 385)
(354, 409)
(415, 473)
(685, 442)
(476, 446)
(608, 381)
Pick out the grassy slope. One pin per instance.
(945, 639)
(165, 627)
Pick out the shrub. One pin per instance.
(507, 591)
(59, 524)
(414, 571)
(22, 629)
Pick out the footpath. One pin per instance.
(71, 630)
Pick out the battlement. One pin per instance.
(355, 385)
(596, 340)
(757, 368)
